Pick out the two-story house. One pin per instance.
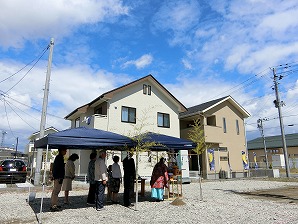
(137, 107)
(224, 132)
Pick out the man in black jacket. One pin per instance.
(58, 175)
(129, 177)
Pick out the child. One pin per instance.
(116, 180)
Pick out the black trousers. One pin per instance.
(91, 194)
(128, 187)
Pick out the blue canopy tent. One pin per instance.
(165, 142)
(82, 138)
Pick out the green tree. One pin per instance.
(138, 134)
(197, 135)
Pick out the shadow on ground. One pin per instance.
(78, 202)
(286, 194)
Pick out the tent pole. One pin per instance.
(137, 179)
(43, 184)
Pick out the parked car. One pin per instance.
(13, 171)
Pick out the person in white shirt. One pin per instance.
(101, 178)
(116, 180)
(69, 176)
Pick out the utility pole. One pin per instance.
(16, 147)
(278, 105)
(260, 126)
(43, 115)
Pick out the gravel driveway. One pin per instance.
(221, 204)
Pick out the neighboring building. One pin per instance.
(223, 125)
(137, 107)
(30, 146)
(274, 150)
(9, 153)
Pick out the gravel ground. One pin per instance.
(220, 204)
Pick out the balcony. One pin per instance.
(99, 121)
(213, 134)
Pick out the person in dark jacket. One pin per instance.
(129, 177)
(58, 175)
(90, 179)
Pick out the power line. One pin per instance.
(242, 86)
(5, 95)
(43, 51)
(20, 116)
(7, 118)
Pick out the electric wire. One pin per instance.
(20, 116)
(27, 72)
(8, 120)
(43, 51)
(33, 108)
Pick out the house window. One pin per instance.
(98, 111)
(149, 90)
(163, 120)
(128, 114)
(224, 125)
(211, 121)
(77, 122)
(144, 89)
(237, 127)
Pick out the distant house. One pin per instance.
(223, 125)
(29, 149)
(144, 104)
(274, 148)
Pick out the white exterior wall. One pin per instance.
(152, 104)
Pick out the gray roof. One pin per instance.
(273, 142)
(201, 108)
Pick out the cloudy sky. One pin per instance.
(199, 50)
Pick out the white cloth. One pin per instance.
(100, 172)
(116, 172)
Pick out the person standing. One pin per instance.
(129, 177)
(101, 178)
(58, 175)
(159, 180)
(90, 179)
(69, 176)
(115, 180)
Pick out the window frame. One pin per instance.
(224, 125)
(237, 127)
(129, 110)
(144, 89)
(164, 125)
(149, 90)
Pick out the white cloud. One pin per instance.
(186, 64)
(177, 16)
(56, 18)
(70, 87)
(248, 35)
(141, 62)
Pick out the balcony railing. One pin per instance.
(99, 121)
(212, 133)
